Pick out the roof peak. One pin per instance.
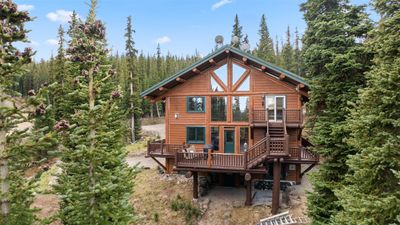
(216, 53)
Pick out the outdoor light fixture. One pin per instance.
(176, 115)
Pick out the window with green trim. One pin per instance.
(195, 104)
(195, 135)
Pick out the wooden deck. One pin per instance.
(265, 150)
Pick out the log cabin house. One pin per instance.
(236, 117)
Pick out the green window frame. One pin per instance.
(198, 136)
(196, 109)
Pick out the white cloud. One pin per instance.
(24, 7)
(52, 42)
(163, 40)
(220, 3)
(60, 16)
(33, 43)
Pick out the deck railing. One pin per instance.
(257, 150)
(210, 160)
(291, 116)
(159, 147)
(302, 153)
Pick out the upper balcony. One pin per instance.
(261, 117)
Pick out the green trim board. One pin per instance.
(197, 141)
(196, 111)
(221, 50)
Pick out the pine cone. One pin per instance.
(115, 94)
(31, 92)
(41, 110)
(61, 125)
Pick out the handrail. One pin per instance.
(257, 150)
(291, 116)
(210, 160)
(284, 121)
(160, 148)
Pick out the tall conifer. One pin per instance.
(372, 192)
(96, 183)
(287, 53)
(237, 32)
(335, 61)
(15, 191)
(265, 47)
(134, 99)
(297, 54)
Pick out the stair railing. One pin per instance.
(256, 151)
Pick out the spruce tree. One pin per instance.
(278, 58)
(334, 61)
(15, 191)
(287, 53)
(95, 183)
(297, 54)
(58, 90)
(372, 192)
(237, 33)
(134, 99)
(265, 47)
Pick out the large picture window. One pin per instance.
(218, 108)
(195, 135)
(195, 104)
(240, 108)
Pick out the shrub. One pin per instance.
(190, 211)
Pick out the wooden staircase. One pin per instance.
(274, 144)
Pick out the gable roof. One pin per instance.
(219, 55)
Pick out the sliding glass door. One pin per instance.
(275, 106)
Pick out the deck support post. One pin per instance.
(195, 185)
(276, 186)
(248, 193)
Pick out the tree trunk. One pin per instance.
(133, 138)
(158, 110)
(4, 185)
(92, 135)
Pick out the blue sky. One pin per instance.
(180, 26)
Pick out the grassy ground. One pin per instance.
(153, 196)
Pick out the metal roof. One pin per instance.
(218, 52)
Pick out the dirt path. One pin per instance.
(156, 130)
(142, 161)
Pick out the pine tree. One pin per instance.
(134, 95)
(334, 60)
(15, 191)
(296, 54)
(236, 33)
(287, 52)
(372, 192)
(265, 47)
(95, 183)
(58, 90)
(278, 58)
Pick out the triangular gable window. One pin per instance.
(222, 74)
(237, 72)
(245, 85)
(215, 86)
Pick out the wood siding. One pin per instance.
(177, 118)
